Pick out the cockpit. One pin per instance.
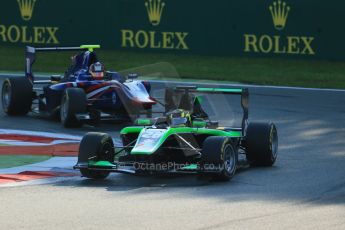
(81, 63)
(179, 117)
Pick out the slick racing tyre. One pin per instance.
(73, 102)
(95, 147)
(16, 96)
(261, 144)
(220, 155)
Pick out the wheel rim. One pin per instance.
(6, 95)
(230, 159)
(274, 143)
(106, 152)
(64, 109)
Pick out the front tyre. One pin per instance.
(16, 96)
(95, 147)
(219, 154)
(73, 102)
(261, 144)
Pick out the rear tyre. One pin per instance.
(96, 147)
(261, 144)
(73, 102)
(16, 96)
(219, 152)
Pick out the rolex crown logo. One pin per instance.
(26, 8)
(280, 12)
(154, 11)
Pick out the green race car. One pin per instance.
(183, 140)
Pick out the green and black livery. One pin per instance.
(183, 140)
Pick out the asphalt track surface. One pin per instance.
(304, 190)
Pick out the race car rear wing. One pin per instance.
(30, 55)
(195, 89)
(244, 92)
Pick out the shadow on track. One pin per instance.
(309, 170)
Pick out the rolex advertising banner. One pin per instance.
(306, 29)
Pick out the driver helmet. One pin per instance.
(97, 70)
(179, 117)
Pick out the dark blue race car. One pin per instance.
(86, 92)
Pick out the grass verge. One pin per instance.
(9, 161)
(265, 71)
